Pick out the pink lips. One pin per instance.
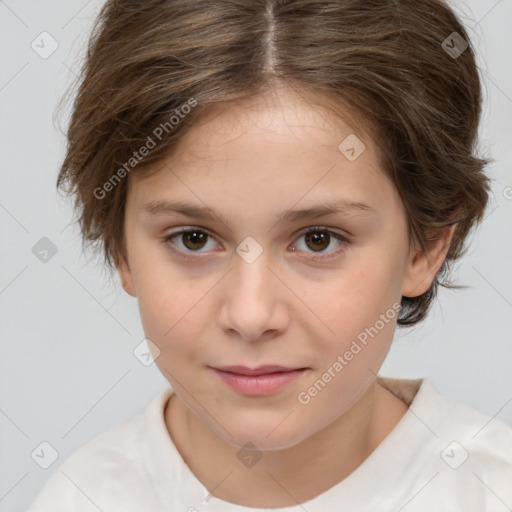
(263, 380)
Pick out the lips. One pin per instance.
(260, 381)
(261, 370)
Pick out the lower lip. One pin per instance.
(258, 385)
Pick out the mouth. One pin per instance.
(260, 370)
(263, 380)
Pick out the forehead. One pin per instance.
(283, 115)
(278, 146)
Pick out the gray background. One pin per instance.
(67, 368)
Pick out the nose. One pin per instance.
(253, 299)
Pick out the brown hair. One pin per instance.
(390, 61)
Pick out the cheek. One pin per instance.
(360, 306)
(172, 311)
(355, 294)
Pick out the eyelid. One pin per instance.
(321, 227)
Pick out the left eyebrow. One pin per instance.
(340, 207)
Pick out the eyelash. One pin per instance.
(171, 246)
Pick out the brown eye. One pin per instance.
(194, 240)
(317, 240)
(188, 241)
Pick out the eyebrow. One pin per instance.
(339, 207)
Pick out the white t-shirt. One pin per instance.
(442, 456)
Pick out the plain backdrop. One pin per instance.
(67, 368)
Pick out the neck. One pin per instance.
(290, 476)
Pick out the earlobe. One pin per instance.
(126, 277)
(423, 266)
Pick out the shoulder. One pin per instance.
(102, 468)
(462, 456)
(448, 418)
(476, 431)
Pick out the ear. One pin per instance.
(422, 266)
(125, 274)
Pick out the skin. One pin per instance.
(250, 162)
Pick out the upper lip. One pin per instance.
(260, 370)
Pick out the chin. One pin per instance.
(263, 436)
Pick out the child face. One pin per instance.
(304, 302)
